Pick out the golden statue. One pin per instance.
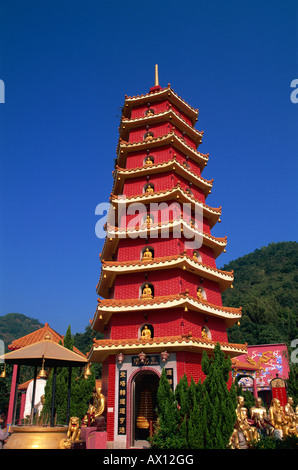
(200, 293)
(148, 136)
(149, 189)
(195, 256)
(148, 221)
(95, 409)
(148, 161)
(260, 417)
(74, 432)
(146, 333)
(204, 332)
(277, 418)
(290, 417)
(250, 432)
(147, 255)
(147, 293)
(149, 112)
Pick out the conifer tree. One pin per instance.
(218, 404)
(166, 435)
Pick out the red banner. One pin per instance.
(279, 391)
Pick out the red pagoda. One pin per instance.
(159, 304)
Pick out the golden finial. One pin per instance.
(156, 75)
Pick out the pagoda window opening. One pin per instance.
(185, 164)
(201, 294)
(149, 112)
(147, 253)
(146, 291)
(148, 135)
(189, 191)
(146, 331)
(149, 160)
(148, 188)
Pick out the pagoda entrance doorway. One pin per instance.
(144, 401)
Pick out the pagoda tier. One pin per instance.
(111, 269)
(211, 248)
(108, 307)
(102, 349)
(132, 128)
(165, 144)
(171, 167)
(159, 290)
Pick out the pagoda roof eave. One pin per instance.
(111, 269)
(169, 116)
(107, 307)
(167, 93)
(114, 234)
(212, 213)
(171, 138)
(104, 348)
(172, 164)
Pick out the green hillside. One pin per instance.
(265, 286)
(16, 325)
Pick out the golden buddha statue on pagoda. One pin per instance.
(146, 333)
(147, 292)
(148, 136)
(204, 332)
(148, 161)
(200, 293)
(148, 221)
(149, 189)
(149, 112)
(147, 255)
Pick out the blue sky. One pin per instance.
(67, 66)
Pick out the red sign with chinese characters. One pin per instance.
(278, 388)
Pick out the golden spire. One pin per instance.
(156, 75)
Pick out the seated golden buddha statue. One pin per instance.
(147, 293)
(250, 432)
(290, 417)
(146, 333)
(149, 189)
(200, 294)
(148, 136)
(147, 255)
(204, 332)
(277, 418)
(260, 417)
(149, 112)
(148, 161)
